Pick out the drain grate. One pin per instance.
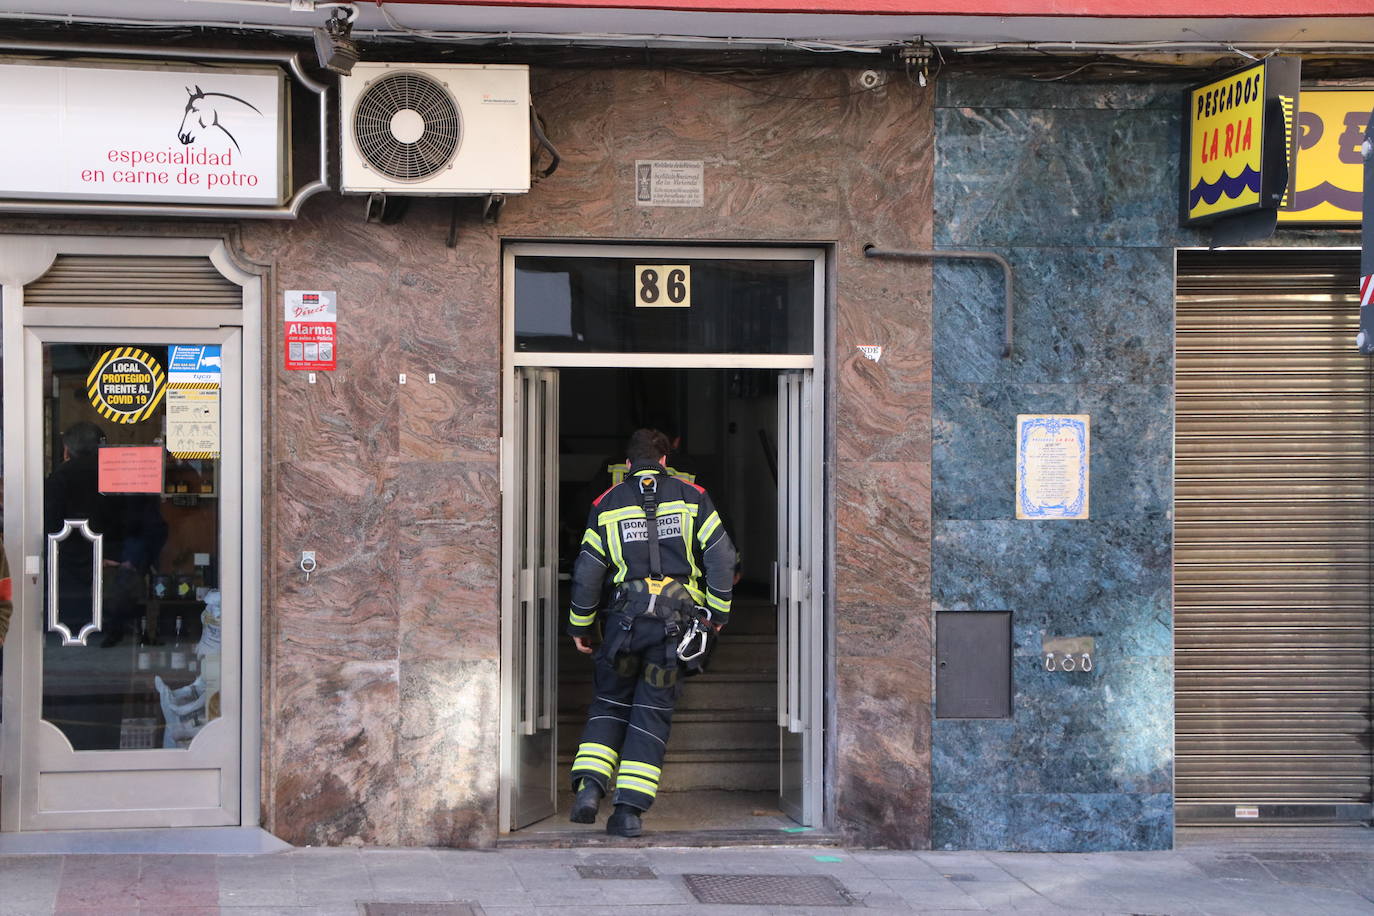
(420, 909)
(616, 872)
(769, 890)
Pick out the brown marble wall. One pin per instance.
(382, 723)
(382, 671)
(383, 668)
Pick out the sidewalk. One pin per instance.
(1277, 871)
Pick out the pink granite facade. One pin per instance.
(384, 682)
(382, 672)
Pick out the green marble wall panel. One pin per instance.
(1075, 185)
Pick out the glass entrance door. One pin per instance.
(798, 607)
(130, 599)
(535, 626)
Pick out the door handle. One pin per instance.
(795, 663)
(550, 637)
(524, 700)
(531, 648)
(82, 527)
(545, 675)
(784, 675)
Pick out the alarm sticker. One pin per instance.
(311, 325)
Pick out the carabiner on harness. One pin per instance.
(699, 628)
(685, 648)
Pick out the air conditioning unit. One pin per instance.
(435, 129)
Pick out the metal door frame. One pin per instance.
(822, 518)
(25, 258)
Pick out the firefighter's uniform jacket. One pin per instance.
(636, 680)
(6, 595)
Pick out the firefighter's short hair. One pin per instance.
(647, 445)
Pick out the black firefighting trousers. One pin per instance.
(628, 721)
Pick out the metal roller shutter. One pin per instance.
(1272, 494)
(133, 282)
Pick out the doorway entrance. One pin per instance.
(746, 749)
(127, 522)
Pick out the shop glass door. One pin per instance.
(131, 627)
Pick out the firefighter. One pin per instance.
(665, 577)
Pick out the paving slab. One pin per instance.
(1295, 874)
(874, 894)
(667, 890)
(894, 864)
(409, 879)
(934, 894)
(1003, 895)
(731, 862)
(28, 884)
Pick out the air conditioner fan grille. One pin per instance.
(376, 114)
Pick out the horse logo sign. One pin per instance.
(203, 114)
(108, 132)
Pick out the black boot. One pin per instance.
(624, 821)
(587, 801)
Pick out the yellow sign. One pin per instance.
(193, 423)
(1225, 149)
(663, 286)
(1330, 170)
(126, 384)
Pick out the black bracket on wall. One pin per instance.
(873, 251)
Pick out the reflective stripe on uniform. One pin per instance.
(716, 603)
(691, 554)
(708, 528)
(640, 768)
(617, 555)
(581, 620)
(618, 471)
(635, 784)
(610, 516)
(677, 505)
(593, 765)
(595, 757)
(593, 540)
(600, 750)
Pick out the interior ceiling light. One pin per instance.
(334, 44)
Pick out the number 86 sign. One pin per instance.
(663, 286)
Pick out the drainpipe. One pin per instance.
(872, 251)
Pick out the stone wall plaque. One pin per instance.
(670, 182)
